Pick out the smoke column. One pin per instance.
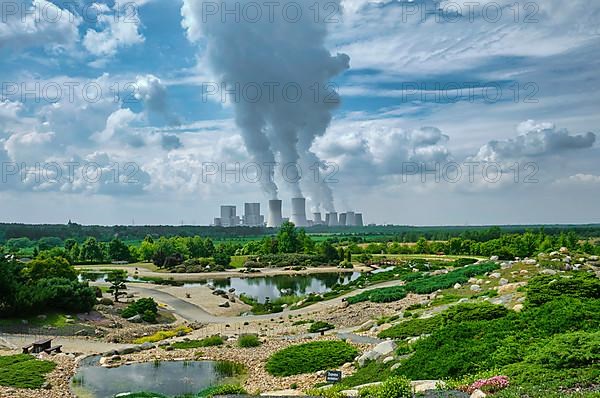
(280, 53)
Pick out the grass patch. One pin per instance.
(373, 371)
(24, 371)
(248, 341)
(205, 342)
(412, 328)
(310, 357)
(163, 335)
(320, 326)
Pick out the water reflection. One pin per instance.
(281, 285)
(171, 378)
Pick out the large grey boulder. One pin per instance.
(386, 347)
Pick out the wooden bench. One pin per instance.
(56, 348)
(27, 348)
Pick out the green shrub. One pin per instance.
(371, 372)
(473, 312)
(211, 341)
(412, 327)
(223, 389)
(248, 341)
(382, 295)
(395, 387)
(24, 371)
(334, 391)
(569, 350)
(544, 288)
(310, 357)
(146, 307)
(319, 326)
(445, 281)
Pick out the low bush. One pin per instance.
(473, 312)
(382, 295)
(371, 372)
(163, 335)
(310, 357)
(223, 389)
(23, 371)
(545, 288)
(445, 281)
(319, 326)
(392, 387)
(412, 328)
(211, 341)
(569, 350)
(146, 307)
(248, 341)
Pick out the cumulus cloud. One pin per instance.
(534, 140)
(119, 27)
(375, 149)
(152, 92)
(37, 23)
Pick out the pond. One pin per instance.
(171, 378)
(281, 285)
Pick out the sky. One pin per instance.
(411, 112)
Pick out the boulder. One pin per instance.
(388, 359)
(548, 272)
(350, 393)
(593, 258)
(126, 351)
(225, 305)
(475, 288)
(426, 385)
(478, 394)
(366, 326)
(503, 282)
(395, 366)
(518, 308)
(563, 250)
(368, 356)
(386, 347)
(494, 258)
(530, 261)
(147, 346)
(135, 319)
(495, 275)
(457, 286)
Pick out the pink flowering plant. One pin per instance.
(490, 385)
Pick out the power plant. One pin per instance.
(274, 219)
(299, 212)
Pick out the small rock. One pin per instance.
(495, 275)
(548, 272)
(457, 286)
(47, 386)
(475, 288)
(518, 308)
(478, 394)
(135, 319)
(388, 359)
(225, 305)
(463, 300)
(503, 282)
(563, 250)
(494, 258)
(395, 366)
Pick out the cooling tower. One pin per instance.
(299, 212)
(342, 220)
(350, 219)
(252, 217)
(333, 219)
(274, 219)
(358, 221)
(317, 219)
